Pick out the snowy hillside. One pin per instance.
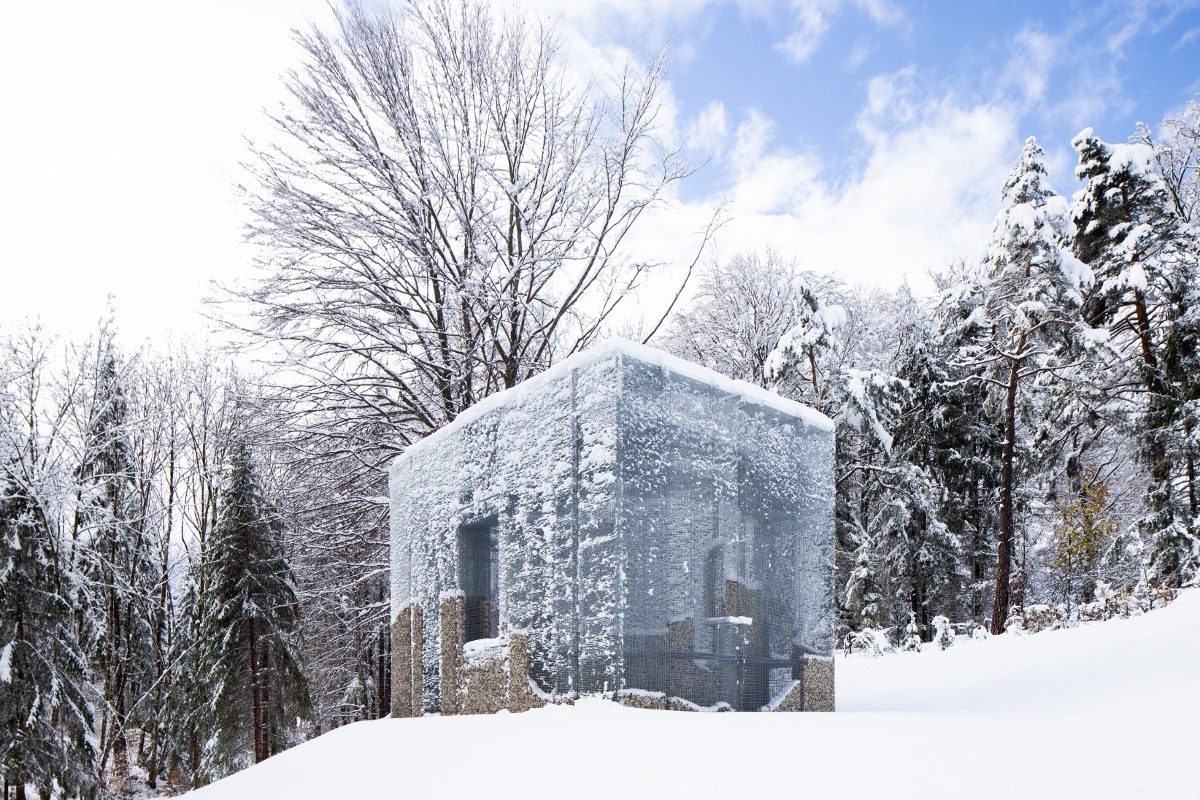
(1107, 710)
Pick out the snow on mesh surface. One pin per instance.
(649, 355)
(717, 481)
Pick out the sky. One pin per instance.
(866, 138)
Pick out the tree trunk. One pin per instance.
(264, 675)
(1004, 551)
(1143, 328)
(257, 696)
(383, 667)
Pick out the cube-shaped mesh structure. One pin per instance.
(649, 527)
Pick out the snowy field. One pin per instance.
(1108, 710)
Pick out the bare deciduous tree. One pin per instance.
(445, 212)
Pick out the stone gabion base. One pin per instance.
(483, 682)
(813, 691)
(521, 693)
(636, 698)
(407, 662)
(402, 663)
(486, 679)
(452, 619)
(495, 677)
(657, 701)
(817, 679)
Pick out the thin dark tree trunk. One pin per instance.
(256, 694)
(265, 677)
(1004, 551)
(1143, 328)
(381, 677)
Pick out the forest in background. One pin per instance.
(196, 567)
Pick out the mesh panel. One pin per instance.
(647, 530)
(478, 571)
(711, 546)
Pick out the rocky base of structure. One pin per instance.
(812, 691)
(487, 675)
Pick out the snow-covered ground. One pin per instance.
(1105, 710)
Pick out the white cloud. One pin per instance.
(708, 131)
(811, 20)
(1035, 54)
(1126, 20)
(1186, 38)
(859, 54)
(926, 193)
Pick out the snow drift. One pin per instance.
(1105, 710)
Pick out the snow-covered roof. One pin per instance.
(648, 355)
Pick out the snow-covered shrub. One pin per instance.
(1015, 622)
(980, 633)
(1161, 596)
(912, 634)
(944, 637)
(873, 642)
(1040, 618)
(1128, 604)
(1104, 595)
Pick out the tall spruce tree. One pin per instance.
(45, 719)
(923, 552)
(250, 625)
(1145, 262)
(115, 561)
(1030, 297)
(189, 726)
(968, 436)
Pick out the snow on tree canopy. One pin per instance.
(648, 524)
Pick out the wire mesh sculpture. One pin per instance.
(646, 527)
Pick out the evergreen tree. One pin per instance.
(250, 624)
(944, 636)
(923, 553)
(1145, 262)
(1171, 425)
(45, 719)
(912, 634)
(189, 725)
(865, 604)
(1030, 296)
(967, 435)
(1084, 533)
(115, 562)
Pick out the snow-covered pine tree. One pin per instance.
(912, 634)
(249, 629)
(944, 632)
(189, 726)
(1145, 262)
(114, 560)
(968, 433)
(45, 718)
(1030, 298)
(865, 605)
(921, 551)
(1170, 433)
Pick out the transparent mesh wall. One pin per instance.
(650, 533)
(717, 500)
